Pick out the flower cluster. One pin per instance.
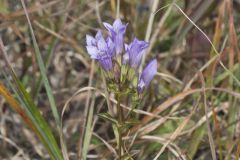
(112, 51)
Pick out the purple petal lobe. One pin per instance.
(111, 46)
(99, 35)
(92, 51)
(101, 44)
(90, 40)
(108, 26)
(117, 24)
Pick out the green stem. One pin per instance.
(120, 114)
(120, 121)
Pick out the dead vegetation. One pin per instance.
(191, 110)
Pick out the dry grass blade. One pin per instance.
(196, 13)
(213, 47)
(206, 65)
(177, 131)
(86, 109)
(62, 139)
(174, 100)
(169, 77)
(238, 149)
(118, 9)
(107, 144)
(216, 41)
(31, 9)
(149, 28)
(233, 52)
(202, 120)
(67, 40)
(165, 105)
(20, 151)
(46, 41)
(210, 137)
(155, 124)
(173, 148)
(151, 126)
(232, 34)
(85, 89)
(160, 25)
(150, 20)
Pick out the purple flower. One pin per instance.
(134, 52)
(117, 31)
(100, 49)
(147, 75)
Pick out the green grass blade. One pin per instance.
(34, 119)
(40, 123)
(89, 128)
(43, 71)
(196, 141)
(47, 59)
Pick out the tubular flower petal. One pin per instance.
(100, 49)
(117, 31)
(134, 52)
(147, 75)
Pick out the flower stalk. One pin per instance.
(120, 64)
(120, 113)
(120, 123)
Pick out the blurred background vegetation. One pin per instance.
(191, 110)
